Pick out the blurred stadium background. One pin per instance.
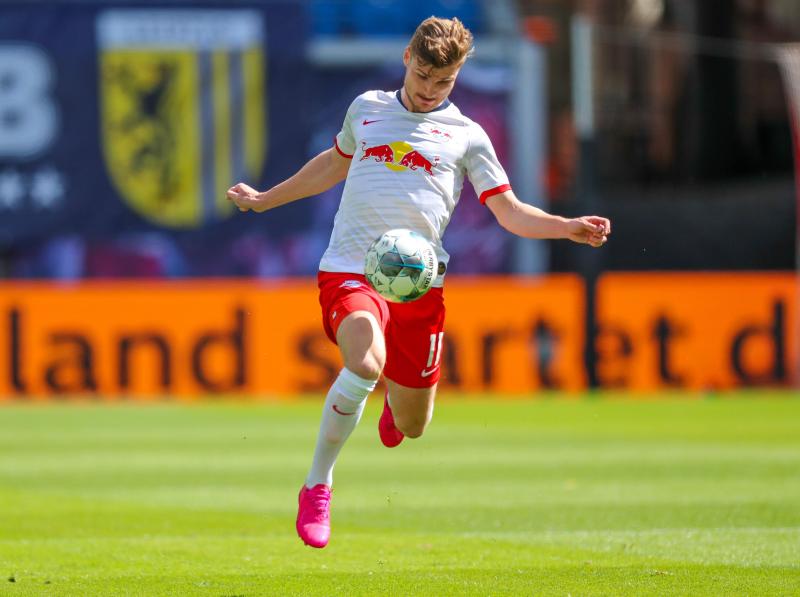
(123, 125)
(125, 276)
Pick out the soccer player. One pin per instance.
(403, 155)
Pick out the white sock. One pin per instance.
(340, 415)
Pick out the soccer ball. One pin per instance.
(401, 265)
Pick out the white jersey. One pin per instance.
(407, 171)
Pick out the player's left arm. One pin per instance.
(528, 221)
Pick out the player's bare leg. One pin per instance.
(363, 351)
(411, 408)
(362, 345)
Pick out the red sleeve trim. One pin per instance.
(339, 149)
(495, 191)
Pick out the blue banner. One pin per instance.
(121, 127)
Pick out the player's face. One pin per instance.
(425, 87)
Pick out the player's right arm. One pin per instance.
(319, 174)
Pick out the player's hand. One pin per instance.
(245, 197)
(590, 230)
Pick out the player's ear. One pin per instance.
(407, 56)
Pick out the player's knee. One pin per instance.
(368, 367)
(412, 427)
(362, 346)
(414, 431)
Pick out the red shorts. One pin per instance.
(413, 331)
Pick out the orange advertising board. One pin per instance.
(156, 338)
(696, 330)
(514, 334)
(193, 338)
(187, 339)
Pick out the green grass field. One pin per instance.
(667, 496)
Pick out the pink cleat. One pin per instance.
(313, 515)
(391, 436)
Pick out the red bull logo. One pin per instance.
(398, 156)
(414, 160)
(381, 153)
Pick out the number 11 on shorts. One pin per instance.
(435, 351)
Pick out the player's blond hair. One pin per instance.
(441, 42)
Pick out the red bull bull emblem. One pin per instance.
(444, 134)
(414, 160)
(398, 156)
(381, 153)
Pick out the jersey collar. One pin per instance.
(445, 104)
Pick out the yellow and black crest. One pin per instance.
(182, 101)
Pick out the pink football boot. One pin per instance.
(314, 516)
(391, 436)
